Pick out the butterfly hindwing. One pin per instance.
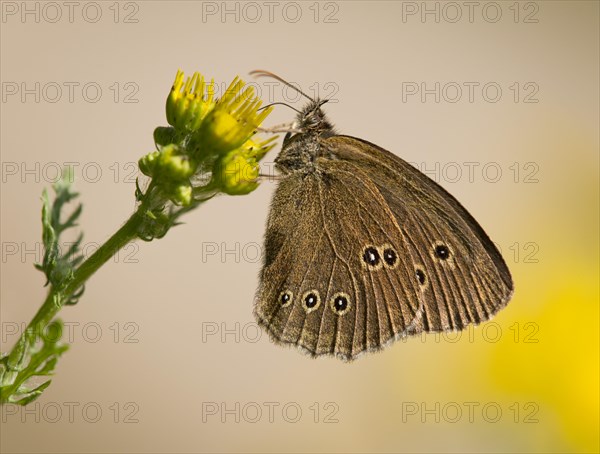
(320, 237)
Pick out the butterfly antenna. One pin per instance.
(263, 73)
(280, 104)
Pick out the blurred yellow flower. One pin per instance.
(561, 370)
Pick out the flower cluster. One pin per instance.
(209, 148)
(211, 143)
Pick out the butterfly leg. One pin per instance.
(284, 127)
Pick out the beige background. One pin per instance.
(537, 362)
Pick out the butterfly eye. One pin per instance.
(420, 276)
(340, 303)
(442, 251)
(371, 256)
(285, 298)
(389, 256)
(311, 300)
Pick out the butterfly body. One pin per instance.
(363, 249)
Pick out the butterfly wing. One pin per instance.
(335, 278)
(463, 278)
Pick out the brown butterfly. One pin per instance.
(362, 249)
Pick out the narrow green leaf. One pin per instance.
(48, 366)
(72, 219)
(34, 394)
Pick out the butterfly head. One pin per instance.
(303, 146)
(312, 119)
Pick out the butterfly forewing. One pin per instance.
(463, 278)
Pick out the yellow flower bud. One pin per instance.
(236, 174)
(189, 103)
(258, 150)
(182, 194)
(233, 120)
(173, 166)
(147, 163)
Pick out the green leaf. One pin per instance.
(48, 366)
(57, 265)
(34, 356)
(70, 222)
(33, 394)
(165, 135)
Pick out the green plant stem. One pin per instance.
(56, 297)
